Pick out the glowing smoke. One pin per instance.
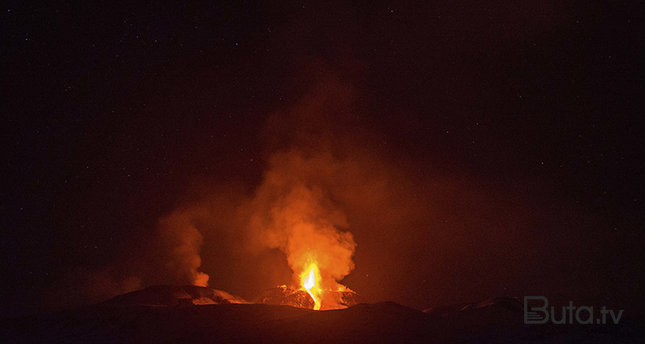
(293, 214)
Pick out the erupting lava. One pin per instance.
(294, 212)
(309, 284)
(313, 289)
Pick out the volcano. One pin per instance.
(165, 295)
(284, 295)
(190, 314)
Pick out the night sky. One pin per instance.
(509, 137)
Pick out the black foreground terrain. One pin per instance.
(151, 316)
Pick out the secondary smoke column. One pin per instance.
(183, 241)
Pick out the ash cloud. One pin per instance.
(374, 219)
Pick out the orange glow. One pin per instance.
(309, 283)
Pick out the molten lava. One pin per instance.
(309, 280)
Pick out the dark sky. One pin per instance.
(113, 113)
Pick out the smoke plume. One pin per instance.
(185, 241)
(367, 214)
(293, 213)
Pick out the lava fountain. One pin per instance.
(309, 284)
